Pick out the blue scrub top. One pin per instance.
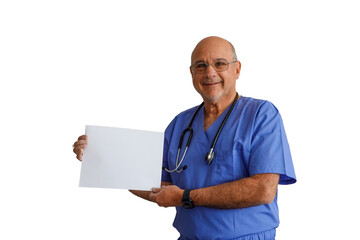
(253, 141)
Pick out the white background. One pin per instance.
(64, 64)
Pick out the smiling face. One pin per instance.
(211, 85)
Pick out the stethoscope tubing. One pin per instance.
(223, 123)
(209, 156)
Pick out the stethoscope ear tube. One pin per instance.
(182, 137)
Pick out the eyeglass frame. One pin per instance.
(211, 64)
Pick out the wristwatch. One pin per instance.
(186, 200)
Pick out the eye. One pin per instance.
(200, 65)
(220, 64)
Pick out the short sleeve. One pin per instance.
(166, 176)
(270, 152)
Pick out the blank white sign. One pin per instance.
(122, 158)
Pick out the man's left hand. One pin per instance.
(167, 196)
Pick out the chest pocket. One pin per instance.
(224, 167)
(230, 165)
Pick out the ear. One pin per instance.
(192, 75)
(237, 69)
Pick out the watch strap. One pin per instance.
(186, 196)
(187, 202)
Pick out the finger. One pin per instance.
(79, 156)
(83, 137)
(80, 142)
(79, 149)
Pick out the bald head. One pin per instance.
(213, 42)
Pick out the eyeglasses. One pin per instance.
(219, 65)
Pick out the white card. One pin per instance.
(122, 158)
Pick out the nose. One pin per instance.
(210, 70)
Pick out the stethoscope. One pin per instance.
(210, 155)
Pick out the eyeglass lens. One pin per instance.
(218, 65)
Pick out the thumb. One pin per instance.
(155, 190)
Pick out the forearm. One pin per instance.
(252, 191)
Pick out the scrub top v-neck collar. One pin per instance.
(210, 133)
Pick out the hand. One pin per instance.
(167, 196)
(79, 146)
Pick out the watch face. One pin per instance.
(188, 204)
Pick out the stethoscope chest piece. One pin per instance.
(210, 157)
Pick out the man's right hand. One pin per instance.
(79, 146)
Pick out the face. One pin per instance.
(211, 85)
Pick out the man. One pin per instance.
(232, 194)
